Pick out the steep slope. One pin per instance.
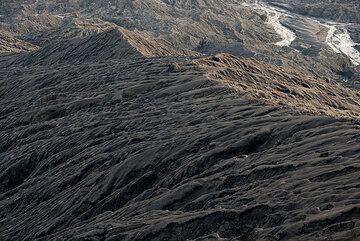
(71, 28)
(153, 149)
(150, 47)
(106, 43)
(103, 46)
(116, 134)
(10, 44)
(207, 26)
(277, 85)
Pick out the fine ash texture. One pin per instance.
(10, 44)
(206, 26)
(110, 134)
(152, 149)
(282, 86)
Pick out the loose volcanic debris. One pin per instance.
(131, 149)
(111, 134)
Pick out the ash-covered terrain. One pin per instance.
(178, 120)
(210, 27)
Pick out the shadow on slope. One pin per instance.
(135, 149)
(104, 42)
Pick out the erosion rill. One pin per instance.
(117, 126)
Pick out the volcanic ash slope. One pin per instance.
(10, 44)
(101, 44)
(172, 148)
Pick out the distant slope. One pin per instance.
(114, 134)
(100, 44)
(10, 44)
(206, 26)
(71, 28)
(97, 47)
(342, 11)
(151, 47)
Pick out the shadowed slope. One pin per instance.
(109, 134)
(108, 42)
(10, 44)
(101, 46)
(139, 150)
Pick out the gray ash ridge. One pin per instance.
(110, 133)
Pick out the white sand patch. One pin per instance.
(340, 41)
(338, 37)
(274, 15)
